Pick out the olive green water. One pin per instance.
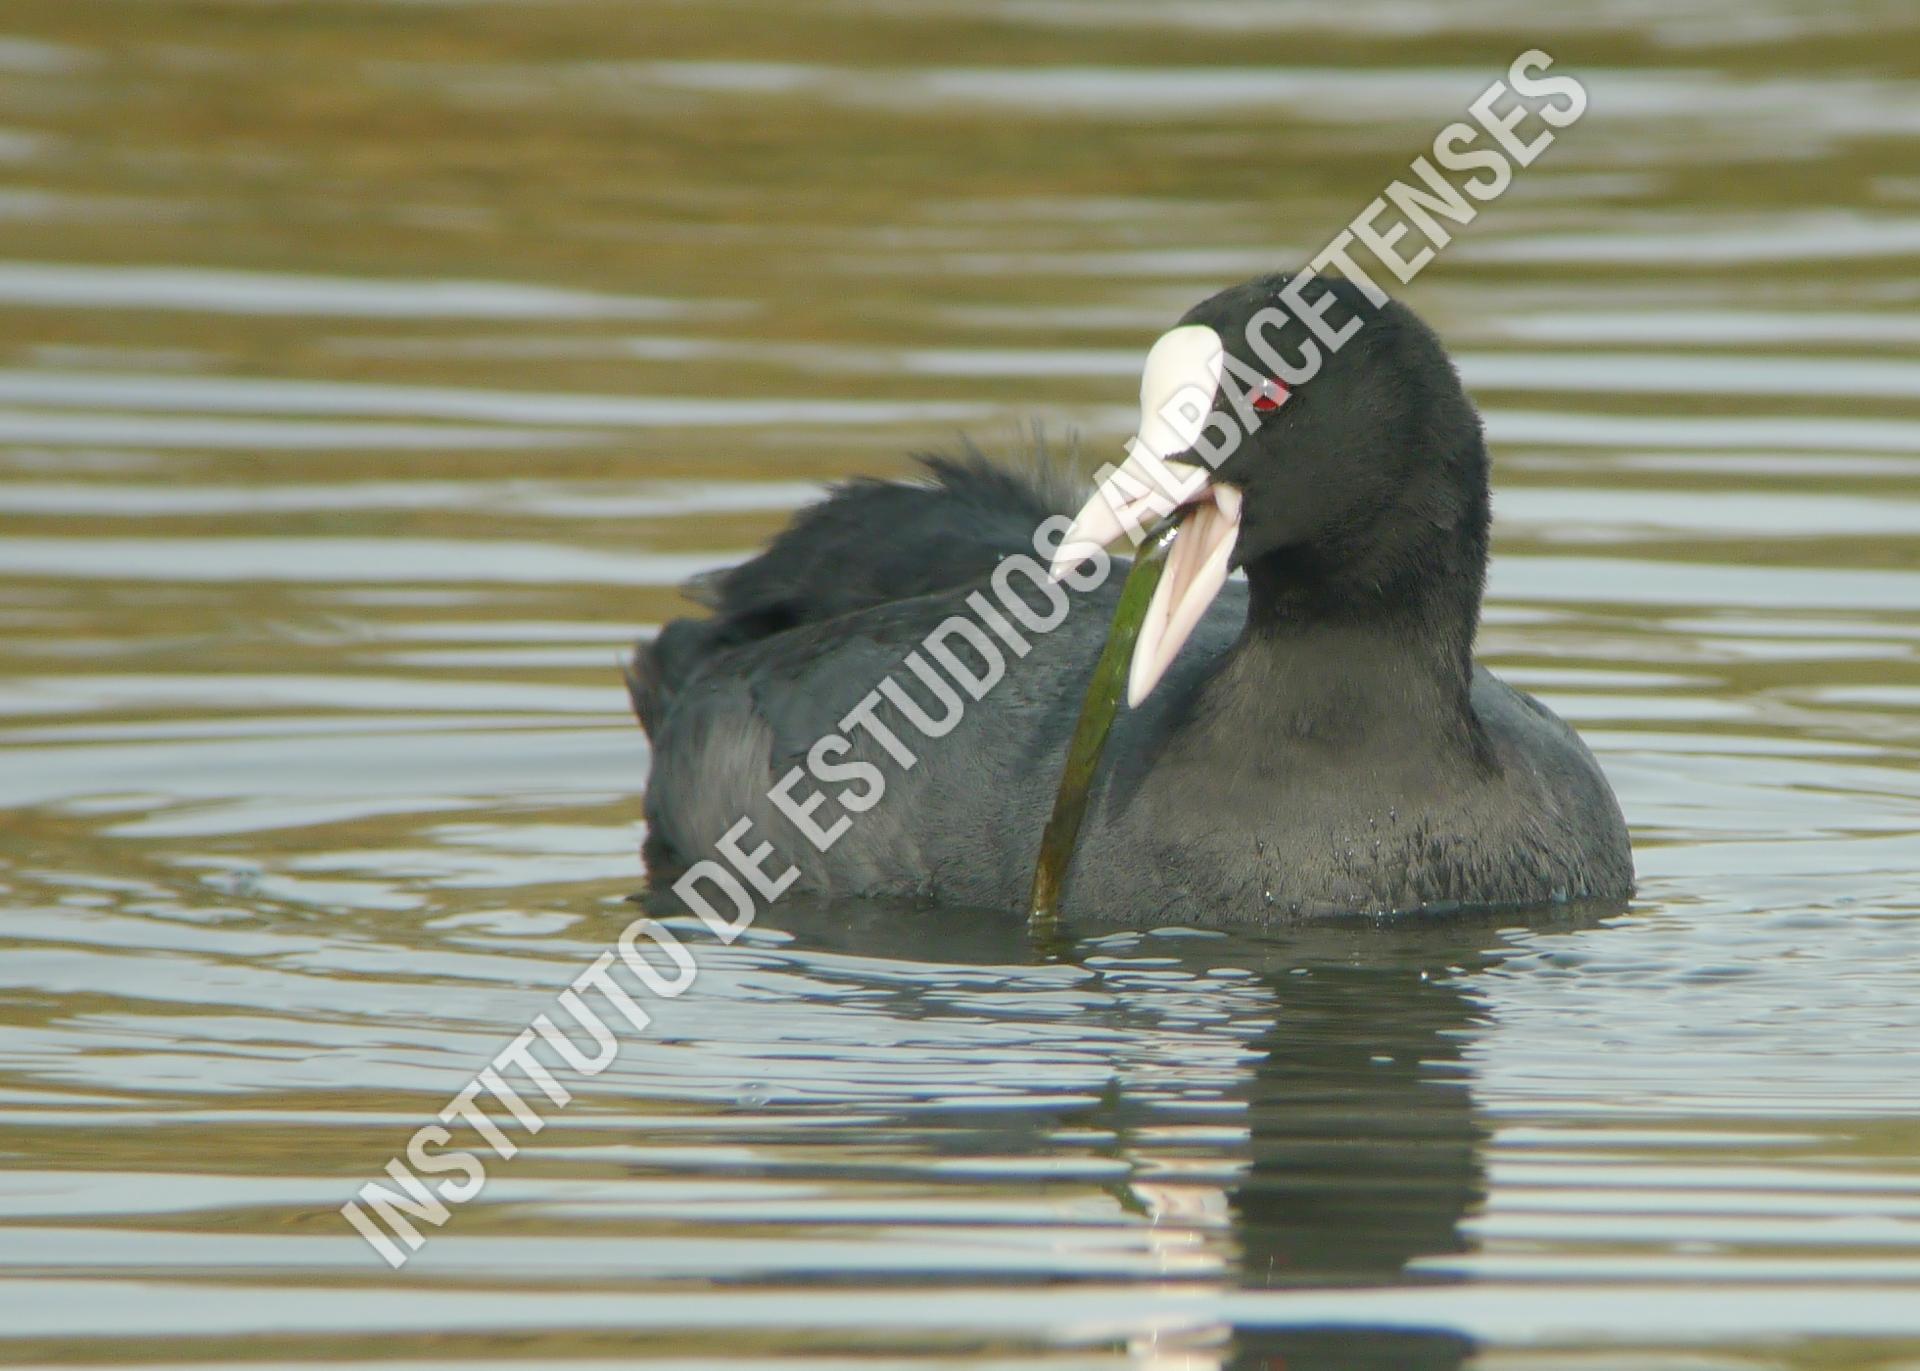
(371, 372)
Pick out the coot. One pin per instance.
(1313, 739)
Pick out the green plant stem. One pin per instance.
(1097, 710)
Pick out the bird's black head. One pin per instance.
(1371, 468)
(1340, 463)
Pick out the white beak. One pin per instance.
(1177, 388)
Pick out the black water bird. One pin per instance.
(1314, 739)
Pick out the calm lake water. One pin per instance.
(371, 372)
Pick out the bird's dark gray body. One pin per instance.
(1324, 741)
(1219, 800)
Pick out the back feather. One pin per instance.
(869, 542)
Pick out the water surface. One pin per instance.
(372, 372)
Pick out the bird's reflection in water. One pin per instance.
(1326, 1141)
(1365, 1153)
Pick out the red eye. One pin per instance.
(1268, 394)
